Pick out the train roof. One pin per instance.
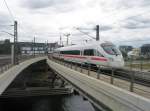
(80, 46)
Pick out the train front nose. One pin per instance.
(116, 62)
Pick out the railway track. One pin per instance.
(142, 78)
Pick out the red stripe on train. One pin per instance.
(98, 59)
(83, 57)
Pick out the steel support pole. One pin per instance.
(132, 82)
(97, 32)
(15, 43)
(112, 76)
(89, 68)
(81, 68)
(12, 54)
(98, 72)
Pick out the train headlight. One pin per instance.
(111, 59)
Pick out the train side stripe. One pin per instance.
(83, 57)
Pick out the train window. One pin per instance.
(99, 54)
(110, 49)
(72, 52)
(89, 52)
(61, 52)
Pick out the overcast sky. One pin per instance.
(119, 20)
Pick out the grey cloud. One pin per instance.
(145, 3)
(102, 27)
(105, 28)
(136, 22)
(118, 4)
(36, 4)
(57, 5)
(4, 19)
(133, 3)
(31, 4)
(124, 4)
(5, 22)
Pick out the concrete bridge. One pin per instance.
(102, 95)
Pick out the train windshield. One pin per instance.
(110, 49)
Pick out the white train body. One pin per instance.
(96, 53)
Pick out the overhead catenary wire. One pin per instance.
(10, 12)
(11, 15)
(5, 25)
(12, 18)
(85, 33)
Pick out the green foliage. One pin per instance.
(5, 48)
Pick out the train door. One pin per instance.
(88, 53)
(82, 57)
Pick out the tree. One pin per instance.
(5, 48)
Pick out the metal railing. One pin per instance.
(131, 81)
(139, 64)
(5, 67)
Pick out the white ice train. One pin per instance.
(95, 53)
